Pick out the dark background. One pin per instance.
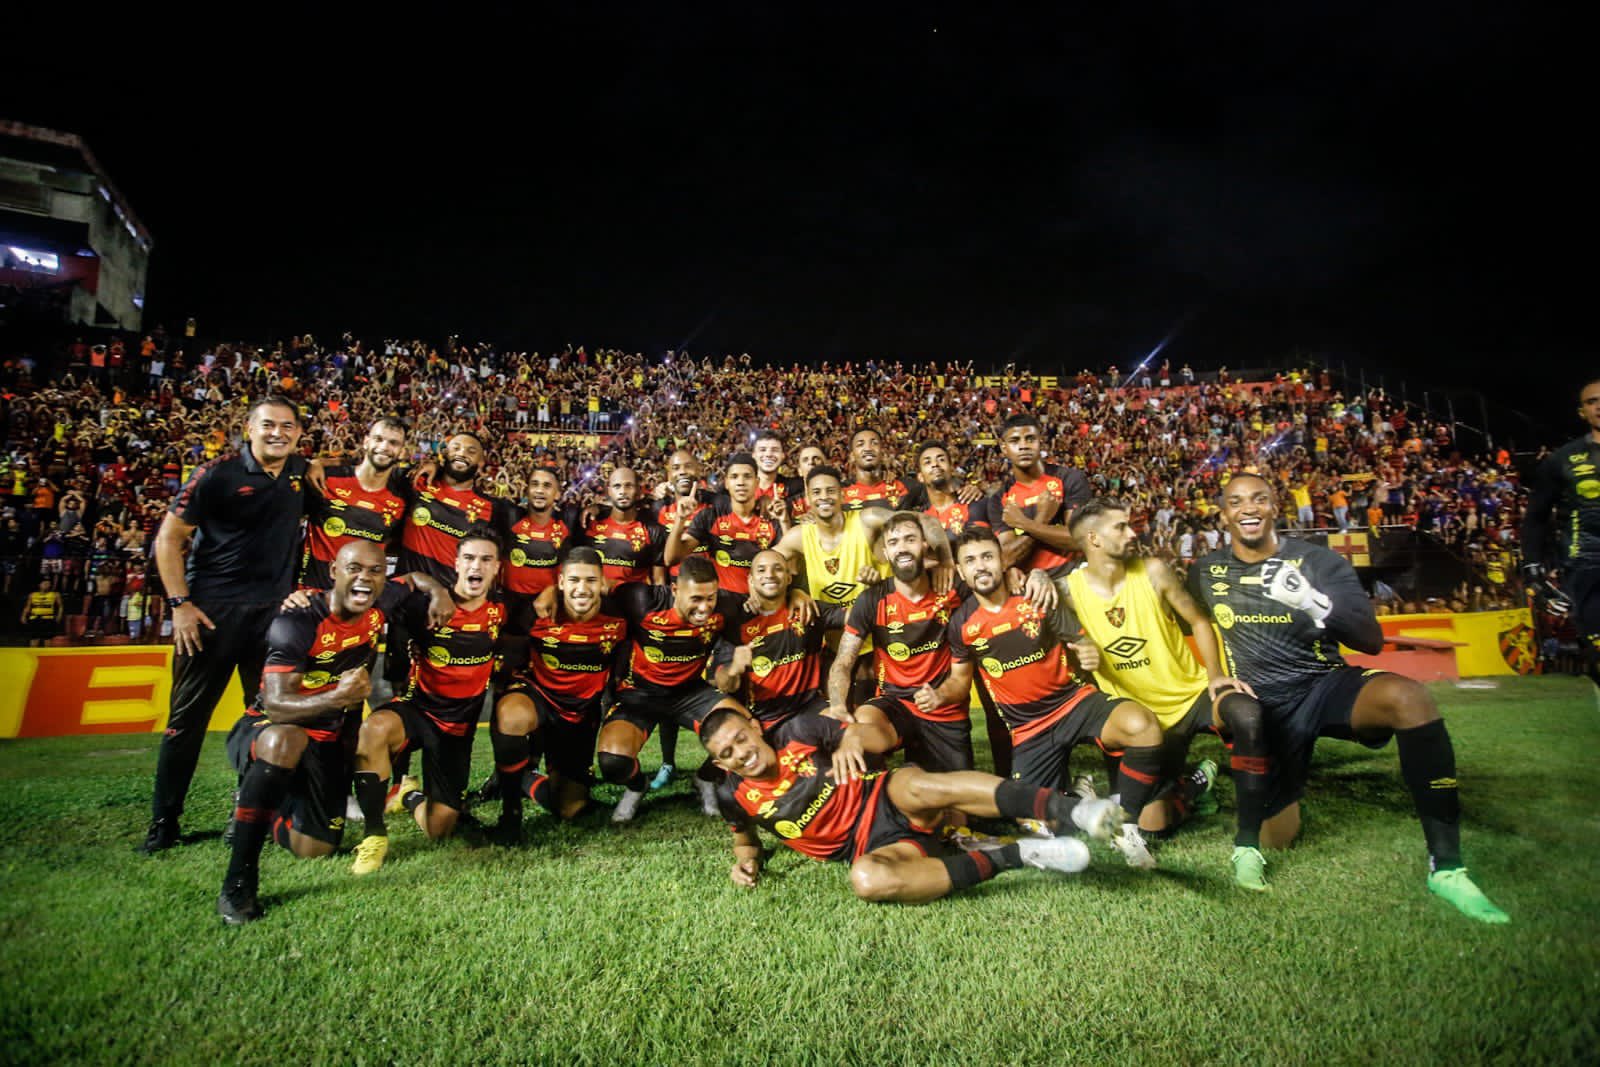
(1402, 190)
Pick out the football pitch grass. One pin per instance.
(596, 944)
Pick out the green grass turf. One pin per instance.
(603, 945)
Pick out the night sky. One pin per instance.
(1406, 191)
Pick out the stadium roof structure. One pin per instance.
(68, 152)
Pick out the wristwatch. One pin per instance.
(176, 602)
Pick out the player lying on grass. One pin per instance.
(1282, 608)
(293, 749)
(808, 782)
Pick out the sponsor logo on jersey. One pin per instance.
(439, 656)
(1226, 618)
(315, 679)
(421, 516)
(1219, 588)
(1219, 570)
(333, 526)
(1589, 489)
(519, 558)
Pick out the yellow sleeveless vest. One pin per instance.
(831, 577)
(1143, 653)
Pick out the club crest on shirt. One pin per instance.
(831, 565)
(1116, 616)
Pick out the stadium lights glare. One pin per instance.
(40, 261)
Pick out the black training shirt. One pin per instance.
(247, 528)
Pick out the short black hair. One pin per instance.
(716, 721)
(928, 446)
(391, 421)
(740, 459)
(275, 400)
(770, 435)
(472, 434)
(902, 518)
(826, 471)
(697, 569)
(479, 531)
(1093, 509)
(584, 556)
(972, 535)
(1021, 418)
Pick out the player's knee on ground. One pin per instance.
(281, 746)
(515, 715)
(437, 820)
(874, 878)
(618, 770)
(309, 848)
(1396, 703)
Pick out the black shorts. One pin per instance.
(1042, 758)
(647, 706)
(883, 824)
(567, 735)
(315, 802)
(770, 720)
(1175, 739)
(1292, 733)
(1581, 583)
(932, 744)
(446, 757)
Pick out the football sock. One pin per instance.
(262, 790)
(1019, 800)
(538, 788)
(414, 800)
(400, 766)
(514, 756)
(970, 868)
(372, 796)
(1138, 777)
(622, 770)
(669, 744)
(1428, 765)
(1250, 762)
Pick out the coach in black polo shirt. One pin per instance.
(243, 511)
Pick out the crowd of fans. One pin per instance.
(94, 448)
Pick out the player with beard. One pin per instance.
(439, 512)
(776, 665)
(808, 782)
(554, 705)
(364, 501)
(905, 618)
(1568, 482)
(1025, 666)
(451, 663)
(1282, 608)
(955, 516)
(1129, 609)
(629, 545)
(808, 459)
(733, 529)
(292, 749)
(671, 635)
(538, 539)
(684, 482)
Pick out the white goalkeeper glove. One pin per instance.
(1289, 587)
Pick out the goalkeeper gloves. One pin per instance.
(1289, 587)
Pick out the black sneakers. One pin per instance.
(237, 903)
(162, 835)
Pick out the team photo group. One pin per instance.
(825, 627)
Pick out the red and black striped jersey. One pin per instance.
(785, 672)
(787, 488)
(733, 542)
(534, 556)
(348, 512)
(665, 649)
(908, 641)
(1065, 484)
(319, 646)
(451, 664)
(801, 802)
(890, 493)
(958, 516)
(1017, 657)
(439, 515)
(629, 551)
(569, 662)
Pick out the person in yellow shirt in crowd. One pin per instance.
(42, 613)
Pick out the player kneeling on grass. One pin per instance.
(1282, 608)
(807, 782)
(450, 669)
(293, 749)
(554, 704)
